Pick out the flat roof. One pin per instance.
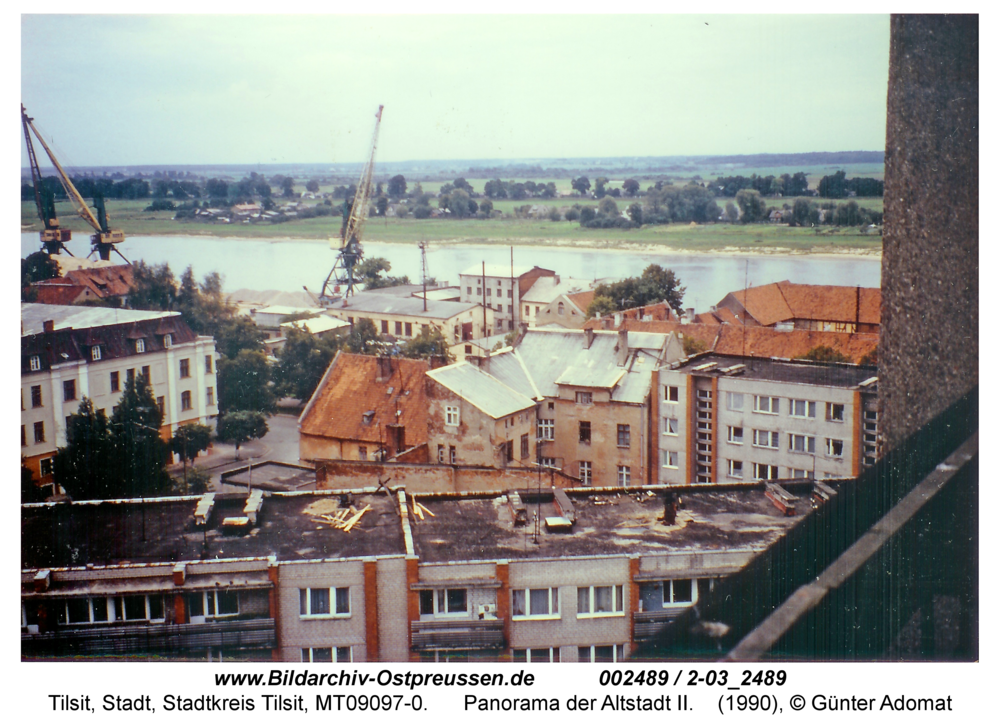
(845, 376)
(34, 315)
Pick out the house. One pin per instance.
(365, 408)
(85, 284)
(652, 312)
(71, 352)
(737, 419)
(501, 290)
(786, 305)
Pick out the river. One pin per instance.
(288, 265)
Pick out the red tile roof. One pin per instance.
(58, 291)
(771, 343)
(785, 301)
(351, 387)
(582, 300)
(107, 281)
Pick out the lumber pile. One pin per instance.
(342, 518)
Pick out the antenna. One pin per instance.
(423, 269)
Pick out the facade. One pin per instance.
(545, 291)
(501, 290)
(732, 419)
(270, 576)
(786, 305)
(69, 352)
(568, 310)
(405, 317)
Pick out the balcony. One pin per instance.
(647, 624)
(457, 634)
(165, 639)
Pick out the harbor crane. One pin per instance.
(104, 239)
(53, 237)
(341, 281)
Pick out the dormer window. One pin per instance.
(35, 363)
(95, 353)
(167, 340)
(367, 417)
(140, 345)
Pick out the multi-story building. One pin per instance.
(406, 317)
(72, 352)
(548, 291)
(501, 290)
(786, 305)
(733, 419)
(532, 575)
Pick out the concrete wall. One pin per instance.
(419, 478)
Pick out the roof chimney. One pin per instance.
(622, 346)
(437, 361)
(589, 332)
(384, 368)
(49, 326)
(397, 439)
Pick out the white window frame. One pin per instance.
(771, 469)
(671, 426)
(671, 391)
(830, 411)
(773, 404)
(95, 353)
(732, 397)
(807, 443)
(146, 617)
(440, 604)
(586, 472)
(548, 462)
(671, 459)
(832, 445)
(538, 654)
(668, 592)
(210, 607)
(309, 654)
(109, 607)
(735, 468)
(796, 474)
(731, 436)
(305, 603)
(766, 438)
(589, 593)
(617, 652)
(452, 416)
(624, 475)
(140, 345)
(551, 604)
(35, 363)
(546, 430)
(807, 407)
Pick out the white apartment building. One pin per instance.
(501, 289)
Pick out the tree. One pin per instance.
(601, 305)
(188, 441)
(288, 187)
(599, 184)
(86, 467)
(732, 213)
(216, 189)
(30, 492)
(302, 362)
(459, 203)
(363, 338)
(635, 213)
(38, 266)
(608, 207)
(381, 206)
(397, 186)
(581, 184)
(586, 215)
(428, 343)
(495, 189)
(312, 185)
(823, 354)
(240, 427)
(140, 453)
(800, 212)
(752, 205)
(460, 183)
(833, 186)
(370, 272)
(486, 207)
(654, 285)
(245, 383)
(631, 187)
(236, 335)
(153, 287)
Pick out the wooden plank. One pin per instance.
(424, 508)
(354, 520)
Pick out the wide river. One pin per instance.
(282, 264)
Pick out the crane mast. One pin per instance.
(104, 239)
(341, 278)
(52, 236)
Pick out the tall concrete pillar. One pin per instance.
(929, 343)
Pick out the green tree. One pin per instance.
(752, 205)
(312, 186)
(153, 287)
(370, 272)
(599, 187)
(631, 187)
(823, 354)
(635, 213)
(86, 468)
(302, 362)
(397, 186)
(288, 187)
(30, 492)
(693, 346)
(833, 186)
(188, 441)
(870, 358)
(801, 209)
(428, 343)
(245, 383)
(140, 454)
(601, 305)
(240, 427)
(581, 184)
(363, 338)
(486, 207)
(656, 284)
(236, 335)
(608, 207)
(732, 213)
(381, 206)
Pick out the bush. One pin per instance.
(421, 212)
(572, 214)
(159, 205)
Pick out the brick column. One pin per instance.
(412, 600)
(503, 600)
(372, 651)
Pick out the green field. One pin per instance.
(130, 217)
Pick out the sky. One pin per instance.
(226, 89)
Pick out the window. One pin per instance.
(115, 385)
(185, 400)
(587, 473)
(185, 368)
(734, 435)
(69, 390)
(525, 451)
(398, 328)
(835, 447)
(129, 376)
(624, 476)
(765, 438)
(479, 291)
(45, 467)
(670, 426)
(601, 654)
(451, 417)
(24, 436)
(208, 364)
(167, 340)
(534, 602)
(679, 591)
(584, 432)
(161, 405)
(802, 408)
(624, 435)
(363, 454)
(145, 373)
(499, 293)
(736, 469)
(766, 405)
(584, 397)
(671, 394)
(489, 292)
(562, 309)
(210, 396)
(334, 654)
(212, 605)
(510, 293)
(328, 602)
(35, 363)
(95, 353)
(140, 345)
(600, 600)
(408, 329)
(734, 401)
(670, 459)
(548, 462)
(36, 397)
(138, 608)
(535, 655)
(801, 443)
(452, 455)
(765, 471)
(835, 412)
(468, 290)
(444, 602)
(441, 453)
(547, 429)
(39, 432)
(799, 474)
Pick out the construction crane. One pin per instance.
(53, 237)
(340, 282)
(104, 239)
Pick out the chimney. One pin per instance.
(622, 346)
(397, 439)
(669, 508)
(437, 361)
(384, 368)
(49, 326)
(589, 332)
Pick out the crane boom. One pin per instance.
(52, 236)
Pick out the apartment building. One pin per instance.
(787, 306)
(738, 419)
(500, 288)
(533, 575)
(71, 352)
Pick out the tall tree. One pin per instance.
(140, 453)
(240, 427)
(397, 186)
(752, 205)
(86, 467)
(245, 383)
(188, 441)
(631, 187)
(302, 362)
(656, 284)
(581, 184)
(153, 287)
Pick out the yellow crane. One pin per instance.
(341, 281)
(104, 239)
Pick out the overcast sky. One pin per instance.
(119, 90)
